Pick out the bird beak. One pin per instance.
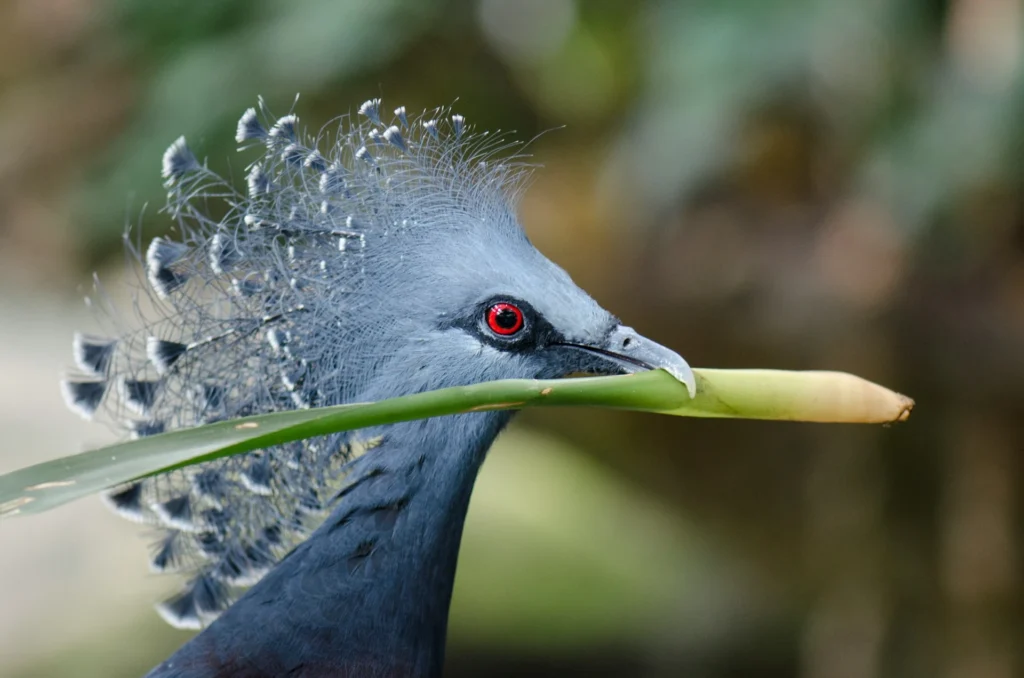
(627, 351)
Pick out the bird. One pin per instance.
(379, 257)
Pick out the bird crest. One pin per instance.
(282, 293)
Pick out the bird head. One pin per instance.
(472, 300)
(433, 282)
(378, 259)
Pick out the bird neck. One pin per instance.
(368, 593)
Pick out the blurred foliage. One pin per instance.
(772, 183)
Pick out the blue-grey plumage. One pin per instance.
(383, 260)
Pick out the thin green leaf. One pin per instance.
(757, 394)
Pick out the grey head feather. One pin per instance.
(353, 264)
(92, 354)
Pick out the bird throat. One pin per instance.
(368, 593)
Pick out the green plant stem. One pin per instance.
(756, 394)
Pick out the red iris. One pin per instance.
(504, 319)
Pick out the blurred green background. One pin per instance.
(801, 184)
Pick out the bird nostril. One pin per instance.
(626, 342)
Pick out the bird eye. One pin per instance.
(505, 319)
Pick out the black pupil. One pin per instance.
(506, 318)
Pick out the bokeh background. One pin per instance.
(757, 183)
